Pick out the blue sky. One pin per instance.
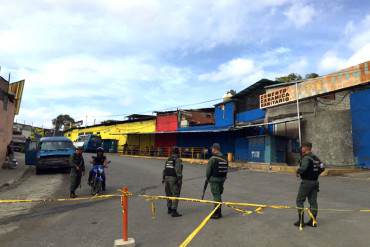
(98, 58)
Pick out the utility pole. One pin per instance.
(298, 114)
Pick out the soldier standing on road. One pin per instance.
(217, 169)
(310, 168)
(172, 178)
(77, 164)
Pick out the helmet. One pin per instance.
(100, 150)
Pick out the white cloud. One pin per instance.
(359, 34)
(331, 62)
(46, 27)
(300, 14)
(357, 40)
(299, 66)
(113, 85)
(360, 56)
(238, 70)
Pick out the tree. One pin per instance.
(63, 122)
(290, 77)
(311, 75)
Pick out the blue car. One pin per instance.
(49, 153)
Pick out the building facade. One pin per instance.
(135, 133)
(10, 97)
(329, 108)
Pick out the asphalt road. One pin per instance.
(97, 223)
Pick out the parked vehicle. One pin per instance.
(89, 142)
(49, 153)
(18, 141)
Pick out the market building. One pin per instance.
(332, 112)
(131, 134)
(262, 123)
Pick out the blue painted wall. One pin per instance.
(265, 149)
(250, 115)
(241, 149)
(360, 109)
(224, 116)
(251, 149)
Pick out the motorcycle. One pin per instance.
(96, 184)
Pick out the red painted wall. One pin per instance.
(165, 123)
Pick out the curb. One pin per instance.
(263, 167)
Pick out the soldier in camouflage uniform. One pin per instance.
(172, 178)
(217, 169)
(77, 164)
(310, 168)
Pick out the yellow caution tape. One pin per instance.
(59, 199)
(259, 207)
(301, 221)
(199, 228)
(153, 197)
(153, 209)
(259, 210)
(314, 222)
(242, 211)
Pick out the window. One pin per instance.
(82, 138)
(56, 145)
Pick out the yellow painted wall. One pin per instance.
(120, 132)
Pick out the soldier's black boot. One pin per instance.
(72, 195)
(300, 221)
(175, 213)
(310, 222)
(217, 214)
(169, 211)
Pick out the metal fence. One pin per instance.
(185, 152)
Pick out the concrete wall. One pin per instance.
(331, 134)
(326, 123)
(6, 127)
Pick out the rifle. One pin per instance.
(205, 188)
